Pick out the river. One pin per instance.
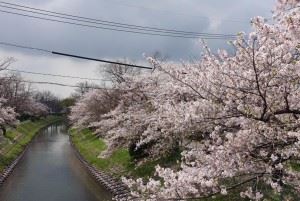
(50, 171)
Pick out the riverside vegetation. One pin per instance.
(18, 138)
(232, 115)
(119, 163)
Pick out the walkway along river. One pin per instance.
(50, 171)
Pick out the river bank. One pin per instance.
(108, 181)
(50, 170)
(12, 147)
(118, 164)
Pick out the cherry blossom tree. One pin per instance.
(132, 115)
(34, 109)
(7, 116)
(249, 105)
(48, 99)
(236, 116)
(115, 73)
(21, 97)
(16, 98)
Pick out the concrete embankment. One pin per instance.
(113, 185)
(13, 148)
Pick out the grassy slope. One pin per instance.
(18, 138)
(119, 163)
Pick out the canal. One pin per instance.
(50, 171)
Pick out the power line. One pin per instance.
(55, 75)
(112, 29)
(109, 23)
(58, 84)
(62, 85)
(134, 27)
(24, 47)
(74, 56)
(100, 60)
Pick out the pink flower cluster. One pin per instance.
(235, 116)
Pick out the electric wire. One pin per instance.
(54, 83)
(106, 22)
(101, 60)
(62, 84)
(113, 29)
(55, 75)
(74, 56)
(23, 47)
(127, 27)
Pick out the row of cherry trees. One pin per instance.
(234, 116)
(17, 101)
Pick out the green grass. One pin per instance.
(90, 147)
(119, 163)
(295, 166)
(148, 168)
(18, 138)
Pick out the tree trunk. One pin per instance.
(3, 130)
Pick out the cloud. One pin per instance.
(213, 16)
(53, 65)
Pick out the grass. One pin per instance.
(90, 147)
(119, 163)
(295, 166)
(17, 139)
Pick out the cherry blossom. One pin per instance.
(34, 109)
(235, 116)
(7, 116)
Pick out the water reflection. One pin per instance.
(50, 171)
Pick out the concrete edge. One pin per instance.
(117, 188)
(10, 168)
(7, 171)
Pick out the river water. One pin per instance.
(50, 171)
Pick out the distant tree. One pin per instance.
(117, 73)
(5, 63)
(34, 109)
(16, 92)
(83, 88)
(158, 56)
(50, 100)
(7, 114)
(92, 106)
(20, 96)
(67, 103)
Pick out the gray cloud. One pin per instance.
(214, 16)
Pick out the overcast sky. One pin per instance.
(212, 16)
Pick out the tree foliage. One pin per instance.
(234, 115)
(17, 99)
